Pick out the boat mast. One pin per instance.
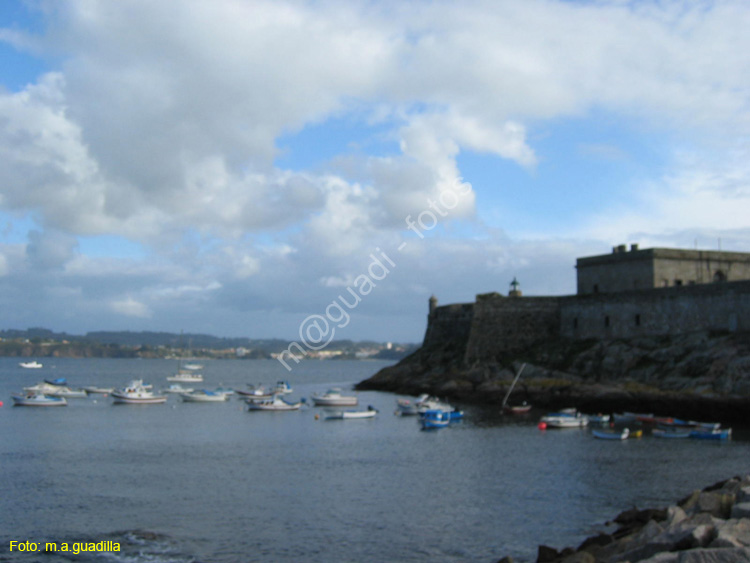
(510, 390)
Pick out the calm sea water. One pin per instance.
(186, 482)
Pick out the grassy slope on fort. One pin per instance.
(702, 375)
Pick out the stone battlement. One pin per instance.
(495, 325)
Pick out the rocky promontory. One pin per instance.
(708, 526)
(701, 375)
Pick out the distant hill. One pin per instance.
(36, 341)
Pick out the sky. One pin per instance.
(310, 170)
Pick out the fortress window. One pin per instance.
(637, 320)
(575, 322)
(596, 288)
(606, 320)
(678, 282)
(720, 276)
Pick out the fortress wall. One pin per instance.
(449, 324)
(506, 324)
(674, 310)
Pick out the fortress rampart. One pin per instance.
(494, 325)
(665, 311)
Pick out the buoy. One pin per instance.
(317, 417)
(1, 403)
(542, 426)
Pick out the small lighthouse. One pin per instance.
(515, 288)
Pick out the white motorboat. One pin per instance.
(31, 365)
(136, 393)
(433, 404)
(410, 407)
(564, 420)
(344, 415)
(204, 396)
(193, 367)
(95, 390)
(276, 403)
(334, 398)
(177, 389)
(38, 400)
(255, 393)
(52, 390)
(185, 376)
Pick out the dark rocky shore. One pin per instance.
(708, 526)
(700, 376)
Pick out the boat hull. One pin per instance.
(19, 401)
(126, 399)
(272, 407)
(199, 397)
(672, 434)
(564, 421)
(711, 434)
(345, 415)
(603, 435)
(335, 401)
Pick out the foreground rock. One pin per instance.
(708, 526)
(700, 376)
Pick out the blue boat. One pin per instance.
(715, 434)
(434, 419)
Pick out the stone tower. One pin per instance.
(433, 304)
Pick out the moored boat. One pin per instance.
(410, 407)
(611, 435)
(184, 376)
(334, 398)
(711, 434)
(563, 419)
(55, 390)
(435, 419)
(523, 408)
(136, 393)
(95, 390)
(177, 388)
(276, 403)
(344, 415)
(204, 396)
(34, 399)
(673, 433)
(31, 365)
(259, 393)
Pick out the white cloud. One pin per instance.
(131, 308)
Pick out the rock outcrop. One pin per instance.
(701, 375)
(708, 526)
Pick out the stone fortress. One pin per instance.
(626, 294)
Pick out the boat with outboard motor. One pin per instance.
(34, 399)
(136, 393)
(332, 414)
(434, 419)
(56, 390)
(566, 418)
(611, 435)
(31, 365)
(204, 396)
(334, 398)
(276, 403)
